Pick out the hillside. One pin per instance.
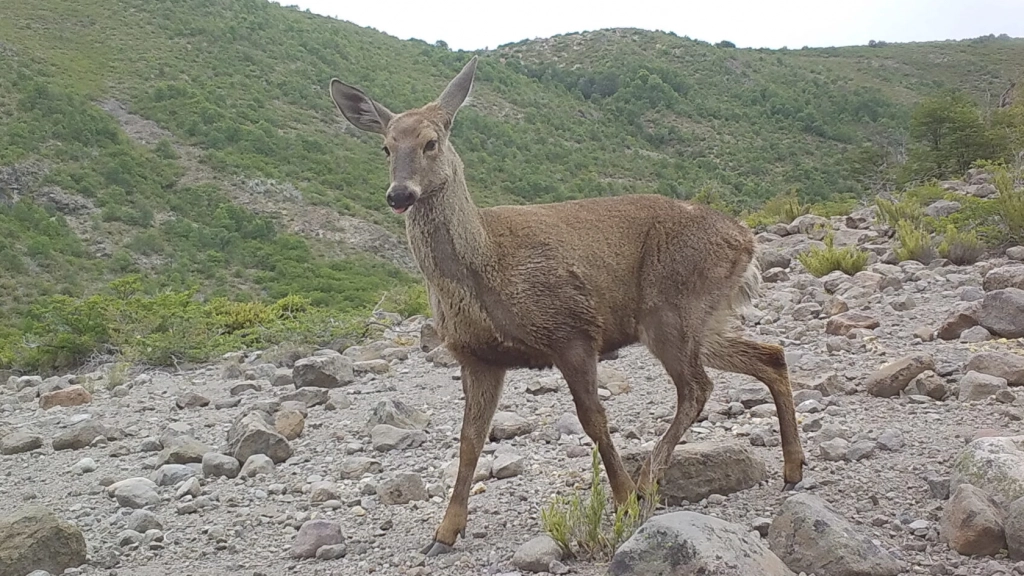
(193, 142)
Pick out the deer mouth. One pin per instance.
(401, 210)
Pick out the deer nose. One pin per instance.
(400, 197)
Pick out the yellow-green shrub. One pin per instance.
(821, 261)
(961, 248)
(913, 243)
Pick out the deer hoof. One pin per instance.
(435, 549)
(789, 486)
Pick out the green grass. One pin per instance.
(821, 261)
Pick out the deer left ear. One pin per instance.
(360, 109)
(458, 89)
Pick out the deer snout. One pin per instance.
(401, 196)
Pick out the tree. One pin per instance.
(949, 134)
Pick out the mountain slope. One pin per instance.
(193, 141)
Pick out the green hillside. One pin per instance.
(228, 146)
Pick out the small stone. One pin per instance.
(289, 423)
(542, 386)
(890, 440)
(972, 524)
(892, 378)
(385, 438)
(67, 397)
(327, 371)
(331, 552)
(976, 386)
(143, 520)
(834, 450)
(315, 534)
(191, 400)
(216, 464)
(537, 554)
(397, 414)
(19, 443)
(85, 466)
(256, 465)
(860, 450)
(507, 465)
(507, 425)
(402, 489)
(135, 493)
(171, 474)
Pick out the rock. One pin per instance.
(135, 493)
(569, 424)
(182, 450)
(834, 450)
(379, 366)
(384, 438)
(256, 465)
(190, 487)
(999, 364)
(971, 523)
(974, 335)
(542, 386)
(171, 474)
(402, 489)
(770, 259)
(750, 395)
(964, 316)
(84, 466)
(928, 384)
(942, 208)
(429, 337)
(508, 425)
(812, 225)
(832, 385)
(315, 534)
(398, 414)
(33, 538)
(890, 440)
(774, 275)
(253, 433)
(612, 380)
(289, 423)
(507, 465)
(356, 467)
(537, 554)
(327, 371)
(937, 485)
(331, 552)
(994, 464)
(281, 377)
(1013, 526)
(1002, 313)
(19, 443)
(1015, 253)
(688, 543)
(702, 469)
(892, 378)
(142, 521)
(1010, 276)
(81, 435)
(441, 357)
(67, 397)
(320, 492)
(308, 396)
(216, 464)
(842, 324)
(191, 400)
(976, 386)
(810, 536)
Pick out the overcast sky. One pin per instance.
(469, 25)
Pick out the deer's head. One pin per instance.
(416, 144)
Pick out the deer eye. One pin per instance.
(386, 151)
(430, 146)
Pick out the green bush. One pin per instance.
(913, 243)
(1010, 206)
(905, 210)
(822, 261)
(585, 528)
(961, 248)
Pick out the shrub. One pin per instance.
(904, 210)
(914, 243)
(785, 208)
(961, 248)
(1010, 206)
(822, 261)
(585, 528)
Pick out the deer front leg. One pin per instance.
(481, 385)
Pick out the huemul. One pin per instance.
(558, 285)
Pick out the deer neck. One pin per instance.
(447, 235)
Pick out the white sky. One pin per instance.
(473, 25)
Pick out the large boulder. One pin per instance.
(810, 536)
(688, 543)
(34, 538)
(254, 433)
(994, 464)
(323, 371)
(1002, 313)
(702, 469)
(972, 524)
(999, 364)
(1010, 276)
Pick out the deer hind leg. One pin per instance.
(680, 356)
(767, 363)
(481, 385)
(578, 366)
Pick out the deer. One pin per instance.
(560, 284)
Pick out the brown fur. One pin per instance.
(559, 284)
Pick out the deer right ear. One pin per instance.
(360, 109)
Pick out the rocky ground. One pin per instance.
(328, 463)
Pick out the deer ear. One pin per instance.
(455, 93)
(360, 109)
